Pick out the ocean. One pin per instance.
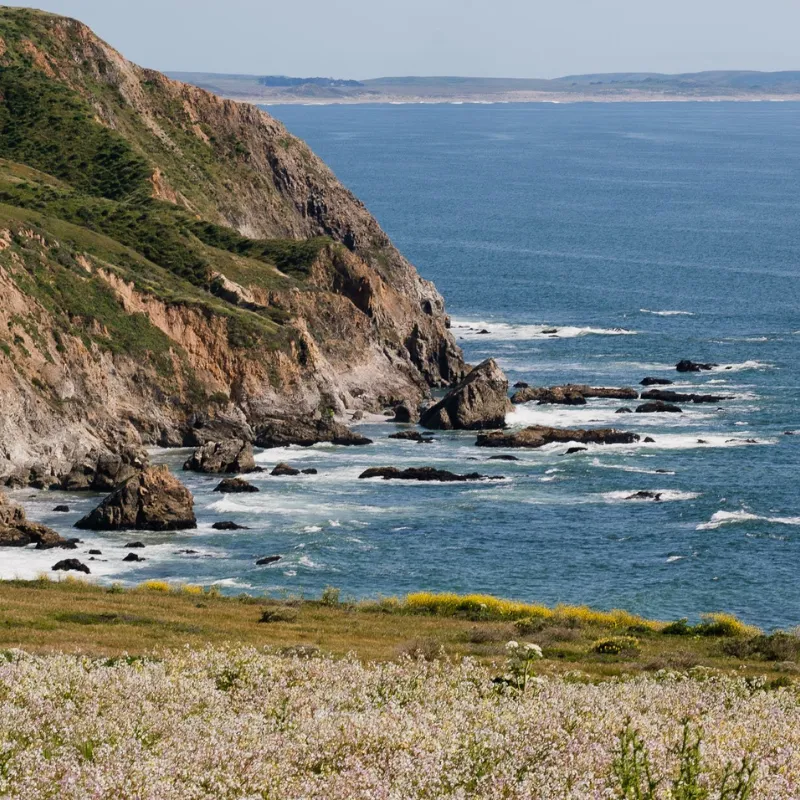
(644, 234)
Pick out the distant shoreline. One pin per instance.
(532, 97)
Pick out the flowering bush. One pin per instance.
(241, 724)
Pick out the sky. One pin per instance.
(491, 38)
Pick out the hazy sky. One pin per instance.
(501, 38)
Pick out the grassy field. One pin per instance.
(73, 616)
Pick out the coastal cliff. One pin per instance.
(167, 256)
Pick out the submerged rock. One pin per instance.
(235, 486)
(412, 436)
(623, 410)
(61, 510)
(281, 432)
(656, 382)
(135, 545)
(310, 471)
(503, 458)
(133, 557)
(71, 565)
(540, 435)
(153, 500)
(479, 402)
(658, 407)
(693, 366)
(229, 526)
(17, 531)
(230, 456)
(645, 495)
(420, 474)
(669, 396)
(262, 562)
(573, 450)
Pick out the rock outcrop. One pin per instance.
(283, 470)
(230, 456)
(17, 531)
(282, 432)
(420, 474)
(658, 407)
(655, 382)
(570, 394)
(104, 471)
(539, 436)
(71, 565)
(479, 402)
(405, 413)
(153, 500)
(669, 396)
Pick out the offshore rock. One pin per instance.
(479, 402)
(154, 500)
(102, 472)
(658, 407)
(669, 396)
(282, 432)
(540, 435)
(420, 474)
(693, 366)
(231, 456)
(236, 486)
(571, 394)
(17, 531)
(655, 382)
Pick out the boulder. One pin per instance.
(649, 440)
(284, 470)
(95, 552)
(503, 458)
(133, 557)
(71, 564)
(135, 545)
(233, 456)
(573, 450)
(420, 474)
(693, 366)
(658, 407)
(104, 472)
(571, 394)
(229, 526)
(624, 410)
(281, 432)
(669, 396)
(540, 435)
(17, 531)
(235, 486)
(205, 428)
(655, 382)
(479, 402)
(310, 471)
(153, 500)
(405, 413)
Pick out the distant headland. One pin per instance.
(738, 85)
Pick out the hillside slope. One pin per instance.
(166, 254)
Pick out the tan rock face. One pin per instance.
(154, 500)
(17, 531)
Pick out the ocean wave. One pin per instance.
(623, 468)
(505, 331)
(667, 313)
(743, 366)
(666, 495)
(721, 518)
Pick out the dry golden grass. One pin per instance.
(76, 616)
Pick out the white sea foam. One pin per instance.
(504, 331)
(743, 366)
(596, 462)
(666, 495)
(667, 313)
(672, 559)
(721, 518)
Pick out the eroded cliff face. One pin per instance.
(107, 338)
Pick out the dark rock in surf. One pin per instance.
(284, 470)
(623, 410)
(404, 413)
(135, 545)
(228, 526)
(310, 471)
(658, 407)
(262, 562)
(571, 394)
(668, 396)
(645, 495)
(656, 382)
(576, 450)
(693, 366)
(133, 557)
(235, 486)
(71, 565)
(503, 458)
(61, 510)
(419, 474)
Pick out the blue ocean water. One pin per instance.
(645, 234)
